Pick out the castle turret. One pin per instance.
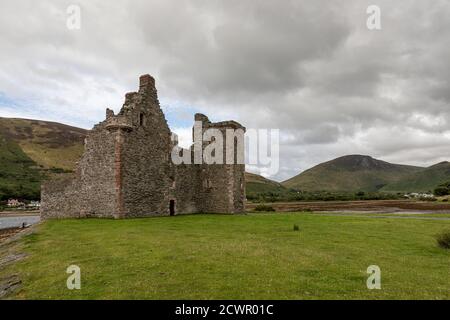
(221, 176)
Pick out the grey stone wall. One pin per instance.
(59, 198)
(95, 174)
(221, 187)
(126, 169)
(146, 155)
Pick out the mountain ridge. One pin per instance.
(350, 173)
(424, 181)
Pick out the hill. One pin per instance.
(48, 144)
(19, 176)
(423, 181)
(350, 173)
(256, 184)
(30, 150)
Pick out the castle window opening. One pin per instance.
(235, 150)
(141, 119)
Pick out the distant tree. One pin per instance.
(442, 190)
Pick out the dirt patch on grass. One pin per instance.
(9, 285)
(10, 253)
(6, 233)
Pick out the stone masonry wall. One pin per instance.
(146, 154)
(59, 198)
(221, 187)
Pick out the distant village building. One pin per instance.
(14, 203)
(417, 195)
(34, 205)
(126, 169)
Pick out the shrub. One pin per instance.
(441, 191)
(296, 227)
(443, 239)
(262, 207)
(431, 199)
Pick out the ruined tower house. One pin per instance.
(127, 170)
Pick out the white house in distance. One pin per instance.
(14, 203)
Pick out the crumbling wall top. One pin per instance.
(201, 117)
(223, 124)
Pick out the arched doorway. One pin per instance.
(172, 207)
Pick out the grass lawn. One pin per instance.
(255, 256)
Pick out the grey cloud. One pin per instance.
(310, 68)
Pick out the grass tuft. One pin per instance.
(443, 239)
(263, 207)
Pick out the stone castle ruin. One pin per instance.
(127, 169)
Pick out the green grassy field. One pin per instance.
(256, 256)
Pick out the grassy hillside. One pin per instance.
(256, 184)
(19, 174)
(423, 181)
(255, 256)
(49, 144)
(350, 174)
(30, 150)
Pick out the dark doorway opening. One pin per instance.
(172, 207)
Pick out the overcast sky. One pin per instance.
(309, 68)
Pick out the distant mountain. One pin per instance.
(350, 173)
(31, 149)
(425, 180)
(256, 184)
